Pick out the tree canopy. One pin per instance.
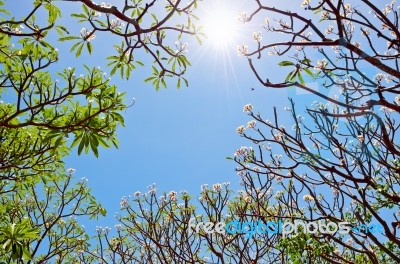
(338, 162)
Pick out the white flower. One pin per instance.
(87, 35)
(329, 30)
(242, 50)
(116, 24)
(162, 199)
(357, 44)
(278, 136)
(123, 203)
(397, 100)
(278, 194)
(257, 36)
(105, 6)
(379, 77)
(240, 130)
(308, 198)
(247, 108)
(137, 194)
(71, 170)
(217, 187)
(305, 3)
(242, 17)
(321, 65)
(365, 31)
(347, 7)
(251, 124)
(181, 48)
(172, 195)
(204, 187)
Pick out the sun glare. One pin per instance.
(220, 26)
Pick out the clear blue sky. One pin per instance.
(178, 139)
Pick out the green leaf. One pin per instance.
(285, 63)
(68, 38)
(310, 73)
(301, 78)
(25, 254)
(79, 51)
(80, 147)
(89, 47)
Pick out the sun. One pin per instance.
(220, 26)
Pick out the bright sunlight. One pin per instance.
(220, 25)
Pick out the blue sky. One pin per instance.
(178, 139)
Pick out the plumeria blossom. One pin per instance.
(379, 77)
(244, 152)
(181, 48)
(104, 5)
(305, 3)
(71, 170)
(397, 100)
(242, 50)
(172, 195)
(321, 65)
(217, 187)
(247, 108)
(243, 17)
(257, 36)
(308, 198)
(87, 35)
(240, 130)
(124, 202)
(251, 124)
(204, 187)
(116, 24)
(329, 30)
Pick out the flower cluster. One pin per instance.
(257, 36)
(87, 34)
(17, 30)
(251, 124)
(308, 198)
(365, 31)
(397, 100)
(243, 17)
(124, 202)
(247, 108)
(240, 130)
(329, 30)
(379, 77)
(242, 50)
(217, 187)
(172, 195)
(181, 48)
(152, 189)
(321, 65)
(116, 24)
(244, 152)
(305, 3)
(104, 5)
(71, 170)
